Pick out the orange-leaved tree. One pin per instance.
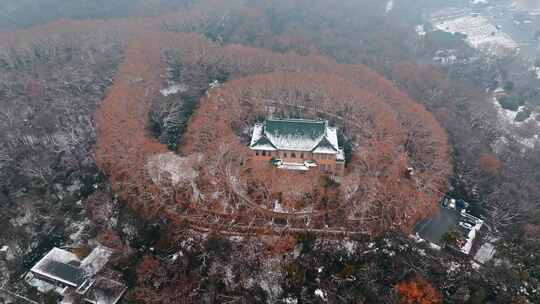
(418, 291)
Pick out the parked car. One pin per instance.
(310, 163)
(466, 225)
(277, 162)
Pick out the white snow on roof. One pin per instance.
(324, 150)
(472, 234)
(55, 255)
(341, 155)
(96, 260)
(257, 133)
(331, 135)
(481, 34)
(264, 147)
(294, 143)
(485, 253)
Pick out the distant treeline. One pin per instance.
(15, 14)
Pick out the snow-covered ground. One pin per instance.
(174, 89)
(321, 294)
(507, 120)
(171, 167)
(481, 33)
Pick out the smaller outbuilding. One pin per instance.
(63, 272)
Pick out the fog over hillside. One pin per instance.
(528, 4)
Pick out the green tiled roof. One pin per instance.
(301, 128)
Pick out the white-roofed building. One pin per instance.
(62, 271)
(298, 144)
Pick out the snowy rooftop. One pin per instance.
(65, 267)
(105, 291)
(96, 260)
(60, 265)
(295, 135)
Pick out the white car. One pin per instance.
(277, 162)
(310, 163)
(466, 225)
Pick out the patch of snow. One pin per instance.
(476, 2)
(236, 238)
(485, 253)
(350, 246)
(389, 6)
(23, 220)
(529, 142)
(214, 84)
(290, 300)
(7, 252)
(174, 89)
(507, 118)
(420, 30)
(481, 34)
(279, 208)
(41, 286)
(454, 267)
(79, 229)
(269, 279)
(499, 144)
(96, 260)
(389, 252)
(129, 230)
(434, 246)
(422, 252)
(169, 167)
(536, 71)
(475, 265)
(321, 294)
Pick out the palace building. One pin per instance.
(298, 144)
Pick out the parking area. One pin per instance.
(449, 219)
(434, 228)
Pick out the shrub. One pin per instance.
(418, 291)
(511, 103)
(523, 115)
(508, 86)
